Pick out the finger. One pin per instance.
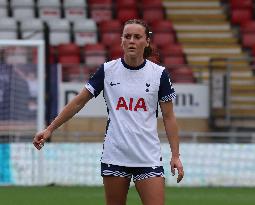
(37, 145)
(180, 175)
(172, 170)
(179, 178)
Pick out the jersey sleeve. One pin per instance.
(166, 90)
(96, 83)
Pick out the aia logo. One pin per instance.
(131, 105)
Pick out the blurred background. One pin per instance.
(50, 48)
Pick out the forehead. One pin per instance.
(134, 28)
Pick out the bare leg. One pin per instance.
(116, 189)
(151, 190)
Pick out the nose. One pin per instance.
(132, 39)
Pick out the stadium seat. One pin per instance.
(150, 15)
(3, 8)
(3, 12)
(59, 31)
(125, 4)
(32, 29)
(237, 4)
(152, 10)
(75, 9)
(8, 28)
(240, 16)
(68, 49)
(253, 52)
(182, 74)
(162, 26)
(23, 9)
(248, 26)
(110, 32)
(124, 14)
(151, 3)
(162, 39)
(172, 50)
(72, 73)
(49, 9)
(94, 54)
(171, 61)
(69, 59)
(85, 31)
(248, 40)
(101, 10)
(115, 52)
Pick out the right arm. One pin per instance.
(74, 106)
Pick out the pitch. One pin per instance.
(53, 195)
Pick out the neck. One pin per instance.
(133, 61)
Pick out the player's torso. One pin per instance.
(131, 97)
(129, 90)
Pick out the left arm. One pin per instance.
(171, 128)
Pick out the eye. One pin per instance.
(127, 36)
(137, 36)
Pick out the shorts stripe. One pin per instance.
(116, 174)
(148, 175)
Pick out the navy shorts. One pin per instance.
(138, 173)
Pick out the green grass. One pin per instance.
(57, 195)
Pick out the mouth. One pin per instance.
(131, 48)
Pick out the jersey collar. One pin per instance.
(131, 67)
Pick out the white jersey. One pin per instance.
(132, 95)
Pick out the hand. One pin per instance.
(40, 138)
(175, 163)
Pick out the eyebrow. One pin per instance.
(135, 34)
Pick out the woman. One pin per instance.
(132, 87)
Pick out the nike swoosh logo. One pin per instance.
(112, 84)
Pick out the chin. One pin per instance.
(132, 54)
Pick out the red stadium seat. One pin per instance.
(248, 26)
(115, 52)
(172, 61)
(253, 51)
(73, 73)
(125, 4)
(240, 16)
(125, 14)
(68, 49)
(69, 59)
(110, 26)
(162, 39)
(237, 4)
(101, 10)
(152, 14)
(110, 32)
(162, 26)
(248, 40)
(182, 74)
(172, 50)
(151, 3)
(94, 54)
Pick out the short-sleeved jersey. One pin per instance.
(132, 95)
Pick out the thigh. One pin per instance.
(116, 189)
(150, 184)
(151, 190)
(116, 183)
